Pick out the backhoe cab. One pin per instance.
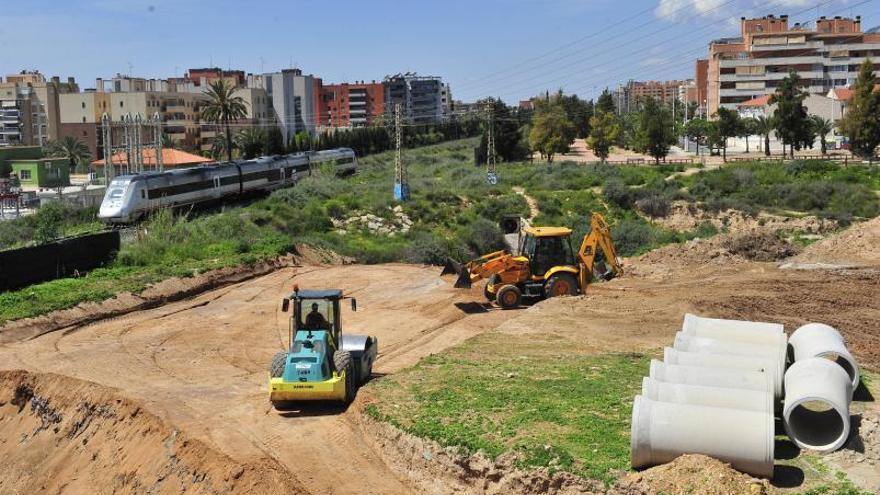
(320, 363)
(546, 265)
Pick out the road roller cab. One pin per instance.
(320, 363)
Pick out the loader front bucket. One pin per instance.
(464, 275)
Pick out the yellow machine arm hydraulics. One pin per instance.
(599, 237)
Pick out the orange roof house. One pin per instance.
(760, 101)
(171, 158)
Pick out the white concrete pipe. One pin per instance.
(697, 325)
(816, 408)
(701, 395)
(820, 340)
(703, 345)
(711, 377)
(727, 361)
(662, 431)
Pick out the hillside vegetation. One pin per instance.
(453, 212)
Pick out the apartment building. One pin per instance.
(177, 101)
(627, 97)
(752, 65)
(29, 111)
(355, 104)
(423, 99)
(293, 99)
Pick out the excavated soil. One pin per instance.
(684, 215)
(63, 435)
(690, 474)
(196, 368)
(857, 245)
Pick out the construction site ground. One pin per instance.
(173, 399)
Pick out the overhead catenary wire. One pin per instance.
(615, 58)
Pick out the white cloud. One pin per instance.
(682, 9)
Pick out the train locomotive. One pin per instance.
(131, 197)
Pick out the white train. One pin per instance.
(130, 197)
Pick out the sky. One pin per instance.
(511, 49)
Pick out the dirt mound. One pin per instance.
(58, 434)
(684, 215)
(312, 255)
(694, 474)
(765, 246)
(857, 245)
(725, 249)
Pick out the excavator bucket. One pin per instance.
(464, 275)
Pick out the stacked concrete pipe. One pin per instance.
(767, 365)
(715, 395)
(775, 354)
(824, 341)
(818, 388)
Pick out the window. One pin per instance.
(83, 104)
(120, 104)
(84, 121)
(25, 175)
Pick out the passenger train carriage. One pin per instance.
(131, 197)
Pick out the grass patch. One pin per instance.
(499, 394)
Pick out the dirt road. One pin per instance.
(202, 365)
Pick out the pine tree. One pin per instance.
(655, 132)
(603, 134)
(791, 119)
(861, 124)
(728, 127)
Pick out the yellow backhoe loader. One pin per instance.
(545, 266)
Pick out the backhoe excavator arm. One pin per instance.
(510, 268)
(598, 238)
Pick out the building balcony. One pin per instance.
(753, 62)
(770, 76)
(793, 46)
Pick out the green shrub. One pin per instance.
(618, 193)
(481, 237)
(654, 206)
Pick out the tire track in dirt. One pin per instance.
(199, 363)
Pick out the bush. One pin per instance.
(427, 249)
(618, 193)
(632, 237)
(482, 236)
(654, 206)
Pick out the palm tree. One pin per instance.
(250, 141)
(218, 146)
(169, 142)
(823, 127)
(224, 108)
(73, 149)
(764, 126)
(746, 129)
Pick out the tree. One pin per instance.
(603, 134)
(551, 132)
(274, 144)
(823, 128)
(218, 146)
(508, 140)
(792, 122)
(605, 103)
(861, 123)
(74, 150)
(728, 126)
(250, 141)
(655, 133)
(763, 127)
(223, 107)
(697, 130)
(169, 142)
(746, 130)
(578, 111)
